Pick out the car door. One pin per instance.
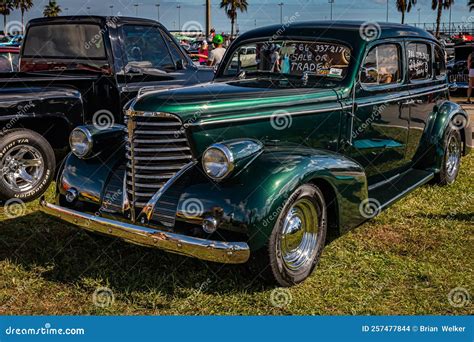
(380, 121)
(427, 82)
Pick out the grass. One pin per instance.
(405, 261)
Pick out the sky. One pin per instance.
(260, 12)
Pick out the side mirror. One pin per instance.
(180, 64)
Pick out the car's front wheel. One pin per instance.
(27, 165)
(298, 237)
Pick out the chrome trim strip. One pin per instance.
(217, 251)
(385, 181)
(307, 112)
(147, 211)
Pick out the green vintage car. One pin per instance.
(330, 123)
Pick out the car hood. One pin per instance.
(229, 100)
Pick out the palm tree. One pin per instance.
(6, 6)
(405, 6)
(231, 7)
(23, 6)
(440, 5)
(52, 9)
(471, 5)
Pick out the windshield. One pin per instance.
(145, 46)
(299, 62)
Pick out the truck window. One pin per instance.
(382, 65)
(65, 41)
(419, 61)
(145, 45)
(440, 64)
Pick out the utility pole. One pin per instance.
(208, 17)
(281, 12)
(179, 16)
(419, 20)
(330, 14)
(386, 17)
(136, 9)
(158, 11)
(111, 9)
(449, 29)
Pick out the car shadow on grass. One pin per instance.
(72, 255)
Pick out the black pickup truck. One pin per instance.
(76, 70)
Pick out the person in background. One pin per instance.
(211, 36)
(470, 66)
(215, 56)
(203, 53)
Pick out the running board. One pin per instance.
(389, 192)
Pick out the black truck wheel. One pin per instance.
(27, 165)
(297, 239)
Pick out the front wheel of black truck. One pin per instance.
(27, 165)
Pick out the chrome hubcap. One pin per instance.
(453, 156)
(299, 235)
(22, 168)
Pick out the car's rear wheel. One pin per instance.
(27, 165)
(452, 157)
(298, 237)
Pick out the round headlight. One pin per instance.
(218, 161)
(80, 141)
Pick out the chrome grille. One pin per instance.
(157, 148)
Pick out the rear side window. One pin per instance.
(65, 41)
(382, 65)
(419, 61)
(440, 64)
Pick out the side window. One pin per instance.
(382, 65)
(176, 54)
(419, 61)
(440, 64)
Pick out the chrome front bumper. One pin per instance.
(217, 251)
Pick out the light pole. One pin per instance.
(136, 9)
(281, 12)
(208, 17)
(179, 16)
(330, 14)
(66, 10)
(449, 29)
(386, 16)
(158, 11)
(111, 9)
(419, 20)
(88, 10)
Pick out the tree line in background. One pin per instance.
(231, 8)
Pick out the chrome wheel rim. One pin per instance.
(299, 235)
(453, 156)
(22, 168)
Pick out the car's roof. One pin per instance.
(92, 19)
(345, 30)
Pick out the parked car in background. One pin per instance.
(13, 41)
(9, 59)
(77, 70)
(457, 68)
(265, 164)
